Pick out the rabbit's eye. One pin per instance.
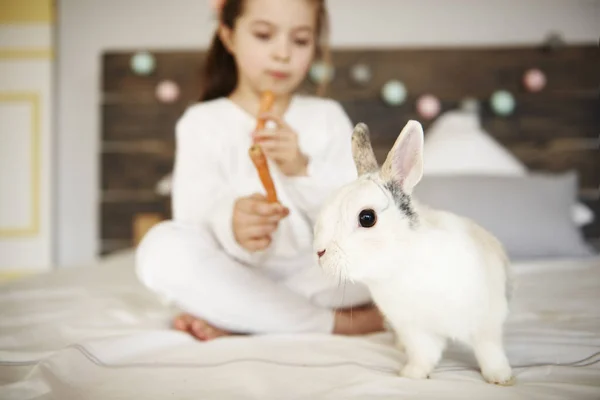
(367, 218)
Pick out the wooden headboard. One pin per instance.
(553, 130)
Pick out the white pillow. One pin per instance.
(456, 144)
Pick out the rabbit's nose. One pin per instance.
(320, 253)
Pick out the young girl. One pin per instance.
(233, 261)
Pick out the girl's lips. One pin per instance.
(279, 75)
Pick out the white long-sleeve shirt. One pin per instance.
(213, 169)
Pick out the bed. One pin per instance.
(96, 333)
(531, 177)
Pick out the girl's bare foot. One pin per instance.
(197, 327)
(358, 321)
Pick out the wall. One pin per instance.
(25, 136)
(88, 27)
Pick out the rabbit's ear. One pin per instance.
(364, 157)
(404, 162)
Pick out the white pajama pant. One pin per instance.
(185, 265)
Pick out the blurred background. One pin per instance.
(90, 91)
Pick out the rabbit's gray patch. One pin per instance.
(402, 201)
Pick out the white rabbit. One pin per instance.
(434, 275)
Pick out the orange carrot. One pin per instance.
(260, 163)
(257, 155)
(266, 102)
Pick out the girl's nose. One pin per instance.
(282, 50)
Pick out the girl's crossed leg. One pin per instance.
(221, 296)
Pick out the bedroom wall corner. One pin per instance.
(26, 136)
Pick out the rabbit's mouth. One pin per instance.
(334, 262)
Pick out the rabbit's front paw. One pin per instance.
(501, 376)
(414, 371)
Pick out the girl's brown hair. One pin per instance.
(220, 70)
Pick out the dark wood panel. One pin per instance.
(118, 217)
(466, 72)
(555, 158)
(538, 117)
(549, 131)
(443, 71)
(384, 124)
(180, 66)
(162, 147)
(140, 121)
(593, 230)
(128, 171)
(108, 246)
(534, 118)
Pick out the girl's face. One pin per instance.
(273, 43)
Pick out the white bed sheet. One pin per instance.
(95, 333)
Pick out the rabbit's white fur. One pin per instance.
(434, 275)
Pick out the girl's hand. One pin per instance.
(254, 220)
(281, 145)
